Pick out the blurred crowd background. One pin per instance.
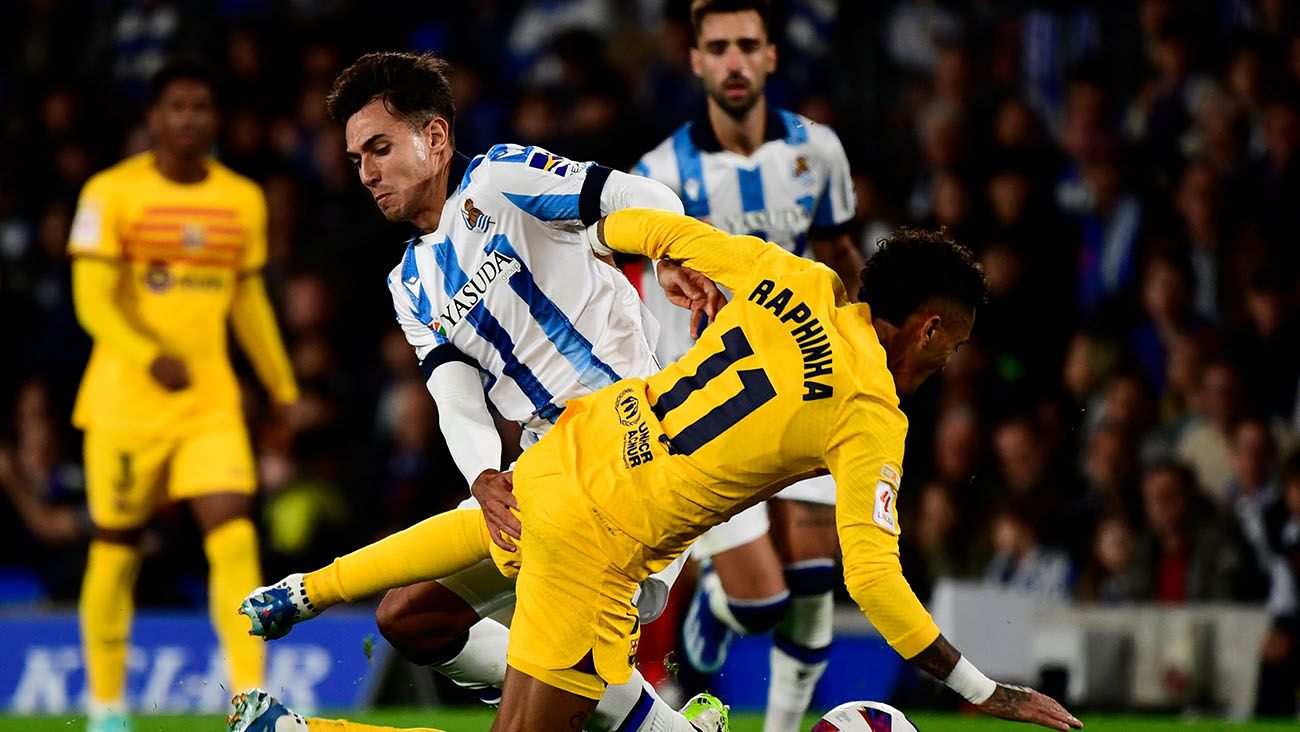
(1122, 427)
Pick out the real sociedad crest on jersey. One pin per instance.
(474, 217)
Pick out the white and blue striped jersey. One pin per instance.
(507, 284)
(795, 187)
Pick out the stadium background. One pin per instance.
(1127, 173)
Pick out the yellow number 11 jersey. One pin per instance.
(789, 381)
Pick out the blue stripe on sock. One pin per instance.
(759, 616)
(800, 653)
(639, 712)
(807, 579)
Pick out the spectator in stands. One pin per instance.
(1187, 554)
(1106, 577)
(1279, 679)
(1020, 560)
(46, 489)
(1205, 444)
(1252, 490)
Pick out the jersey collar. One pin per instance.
(702, 135)
(456, 174)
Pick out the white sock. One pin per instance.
(799, 650)
(100, 710)
(717, 597)
(481, 664)
(634, 706)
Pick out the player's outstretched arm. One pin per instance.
(725, 258)
(1016, 703)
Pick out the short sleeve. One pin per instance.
(94, 227)
(254, 258)
(559, 192)
(835, 208)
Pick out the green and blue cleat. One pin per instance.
(707, 713)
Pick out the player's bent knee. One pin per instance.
(420, 636)
(760, 616)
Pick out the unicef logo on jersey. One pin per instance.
(474, 217)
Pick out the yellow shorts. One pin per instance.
(128, 474)
(575, 627)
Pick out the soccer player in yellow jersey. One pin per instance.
(789, 381)
(166, 246)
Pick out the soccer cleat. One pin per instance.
(707, 713)
(274, 610)
(258, 711)
(109, 723)
(705, 636)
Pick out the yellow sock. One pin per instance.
(106, 608)
(434, 548)
(343, 725)
(233, 570)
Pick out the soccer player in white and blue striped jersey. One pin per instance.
(502, 300)
(749, 168)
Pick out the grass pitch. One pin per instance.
(454, 719)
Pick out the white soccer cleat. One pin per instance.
(274, 610)
(258, 711)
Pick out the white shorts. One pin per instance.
(752, 523)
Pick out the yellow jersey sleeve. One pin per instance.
(727, 259)
(94, 228)
(93, 285)
(254, 255)
(865, 455)
(255, 327)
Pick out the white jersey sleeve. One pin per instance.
(414, 311)
(835, 207)
(561, 193)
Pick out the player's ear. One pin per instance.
(437, 133)
(697, 61)
(769, 57)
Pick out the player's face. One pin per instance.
(935, 335)
(733, 57)
(184, 118)
(396, 163)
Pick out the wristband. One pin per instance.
(967, 680)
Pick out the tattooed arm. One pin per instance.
(942, 661)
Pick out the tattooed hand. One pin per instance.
(1020, 704)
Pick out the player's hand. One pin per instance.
(170, 372)
(686, 288)
(1021, 704)
(494, 491)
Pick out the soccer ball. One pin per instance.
(864, 716)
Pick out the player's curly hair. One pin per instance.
(913, 266)
(413, 86)
(702, 8)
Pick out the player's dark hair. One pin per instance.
(914, 266)
(180, 69)
(413, 86)
(703, 8)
